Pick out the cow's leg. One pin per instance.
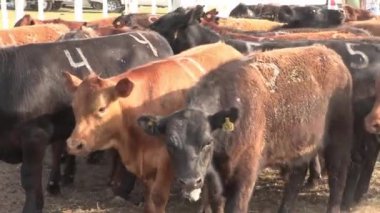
(122, 181)
(34, 142)
(355, 168)
(58, 148)
(292, 188)
(353, 175)
(69, 170)
(337, 158)
(314, 172)
(239, 190)
(214, 191)
(158, 192)
(367, 169)
(95, 157)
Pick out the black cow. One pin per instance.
(35, 108)
(183, 31)
(264, 110)
(362, 58)
(242, 11)
(309, 16)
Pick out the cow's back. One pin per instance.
(32, 34)
(156, 95)
(283, 98)
(31, 75)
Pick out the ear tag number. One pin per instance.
(228, 126)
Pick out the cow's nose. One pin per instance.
(191, 182)
(376, 127)
(75, 144)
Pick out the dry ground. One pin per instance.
(90, 194)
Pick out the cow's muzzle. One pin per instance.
(76, 146)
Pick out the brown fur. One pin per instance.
(372, 120)
(372, 26)
(355, 14)
(249, 24)
(73, 25)
(136, 21)
(32, 34)
(287, 125)
(314, 36)
(143, 155)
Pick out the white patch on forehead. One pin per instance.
(238, 100)
(195, 194)
(270, 81)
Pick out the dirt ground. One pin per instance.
(89, 193)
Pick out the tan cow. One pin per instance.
(106, 112)
(32, 34)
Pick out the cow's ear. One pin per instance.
(72, 82)
(152, 125)
(286, 9)
(224, 119)
(124, 87)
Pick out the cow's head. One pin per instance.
(242, 11)
(310, 16)
(269, 12)
(183, 29)
(372, 120)
(98, 113)
(191, 137)
(25, 21)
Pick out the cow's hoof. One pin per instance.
(53, 188)
(67, 179)
(312, 183)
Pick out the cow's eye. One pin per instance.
(102, 109)
(207, 144)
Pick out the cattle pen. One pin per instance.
(91, 190)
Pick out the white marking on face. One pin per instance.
(195, 194)
(82, 63)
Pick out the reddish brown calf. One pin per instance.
(106, 112)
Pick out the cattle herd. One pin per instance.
(196, 101)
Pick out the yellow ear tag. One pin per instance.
(228, 126)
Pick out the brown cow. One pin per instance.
(106, 112)
(32, 34)
(372, 26)
(89, 32)
(356, 14)
(249, 24)
(270, 109)
(136, 21)
(73, 25)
